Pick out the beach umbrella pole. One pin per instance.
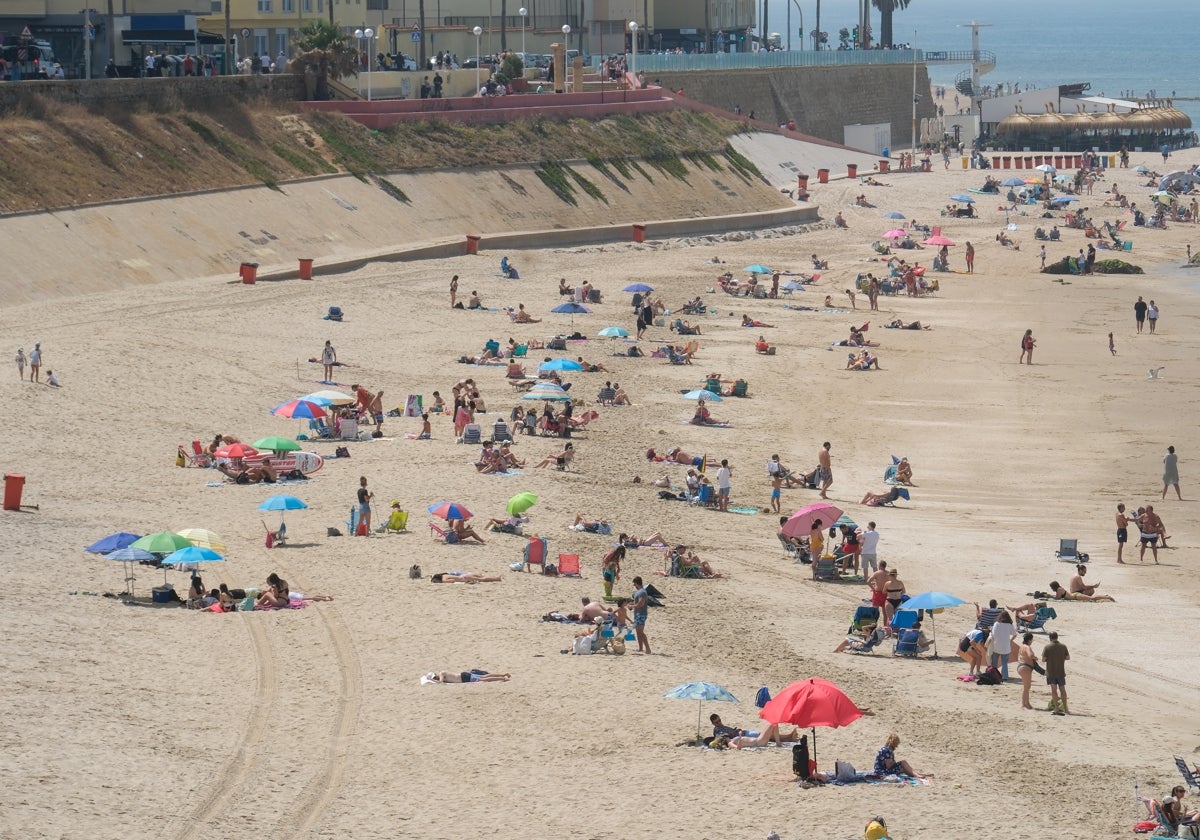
(699, 715)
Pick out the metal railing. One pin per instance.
(767, 60)
(960, 56)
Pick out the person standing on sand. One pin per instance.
(970, 256)
(1139, 312)
(1150, 528)
(824, 470)
(328, 359)
(364, 505)
(1026, 662)
(1056, 655)
(35, 362)
(1042, 254)
(1171, 472)
(641, 610)
(20, 360)
(1152, 315)
(1112, 345)
(877, 583)
(1122, 531)
(869, 539)
(453, 290)
(724, 484)
(1027, 345)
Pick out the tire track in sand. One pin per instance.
(229, 781)
(327, 781)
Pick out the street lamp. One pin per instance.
(358, 34)
(633, 28)
(478, 30)
(367, 35)
(523, 12)
(566, 31)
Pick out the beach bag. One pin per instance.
(989, 677)
(341, 452)
(180, 459)
(583, 646)
(800, 759)
(247, 604)
(844, 771)
(763, 697)
(332, 532)
(617, 646)
(876, 830)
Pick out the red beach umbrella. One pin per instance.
(801, 521)
(236, 450)
(811, 703)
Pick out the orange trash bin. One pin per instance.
(472, 243)
(639, 233)
(851, 170)
(884, 163)
(13, 485)
(823, 176)
(305, 269)
(249, 273)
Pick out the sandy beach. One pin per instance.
(137, 722)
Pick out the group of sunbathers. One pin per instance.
(497, 459)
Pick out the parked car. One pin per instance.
(401, 61)
(477, 61)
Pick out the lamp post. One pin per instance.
(523, 12)
(367, 35)
(633, 29)
(566, 31)
(478, 30)
(358, 34)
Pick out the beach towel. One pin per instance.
(745, 510)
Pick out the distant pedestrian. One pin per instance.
(328, 359)
(1056, 655)
(364, 506)
(1139, 313)
(20, 360)
(1090, 261)
(1152, 315)
(641, 610)
(824, 468)
(1122, 531)
(1112, 344)
(1027, 345)
(1166, 152)
(1043, 256)
(776, 492)
(1171, 472)
(724, 485)
(869, 540)
(35, 363)
(970, 254)
(453, 290)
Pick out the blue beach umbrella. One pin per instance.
(932, 601)
(299, 410)
(1012, 182)
(121, 539)
(614, 332)
(794, 286)
(571, 308)
(965, 199)
(1064, 199)
(892, 214)
(702, 394)
(129, 555)
(638, 287)
(192, 554)
(450, 510)
(282, 502)
(700, 691)
(758, 268)
(560, 364)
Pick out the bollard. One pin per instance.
(823, 176)
(472, 243)
(249, 273)
(13, 484)
(305, 269)
(851, 170)
(884, 163)
(639, 233)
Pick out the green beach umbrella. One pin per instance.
(161, 542)
(277, 444)
(521, 503)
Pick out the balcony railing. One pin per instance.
(780, 58)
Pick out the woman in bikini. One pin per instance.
(1063, 595)
(1025, 664)
(276, 593)
(894, 590)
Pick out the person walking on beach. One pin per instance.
(1042, 254)
(1171, 472)
(1112, 345)
(328, 359)
(824, 470)
(1027, 345)
(724, 484)
(1090, 261)
(1152, 315)
(970, 256)
(641, 609)
(20, 360)
(35, 362)
(364, 506)
(1122, 531)
(1056, 655)
(1139, 313)
(453, 290)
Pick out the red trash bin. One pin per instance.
(884, 163)
(1029, 161)
(851, 170)
(996, 162)
(639, 233)
(305, 269)
(249, 273)
(472, 243)
(823, 176)
(13, 484)
(802, 183)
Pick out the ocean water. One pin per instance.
(1119, 47)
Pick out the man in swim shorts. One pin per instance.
(878, 584)
(1150, 527)
(824, 470)
(1122, 531)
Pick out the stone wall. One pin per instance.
(147, 94)
(820, 99)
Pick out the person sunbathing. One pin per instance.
(1077, 585)
(515, 371)
(634, 541)
(276, 593)
(508, 458)
(861, 201)
(591, 526)
(523, 317)
(762, 739)
(466, 677)
(863, 643)
(1061, 594)
(263, 472)
(762, 346)
(904, 471)
(706, 570)
(900, 325)
(838, 221)
(871, 182)
(588, 367)
(684, 327)
(1026, 613)
(563, 288)
(819, 264)
(474, 302)
(675, 455)
(703, 417)
(877, 499)
(862, 361)
(747, 321)
(559, 459)
(508, 525)
(621, 398)
(463, 531)
(463, 577)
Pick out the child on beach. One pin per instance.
(776, 484)
(1112, 346)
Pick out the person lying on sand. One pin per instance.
(591, 526)
(508, 525)
(559, 459)
(466, 677)
(463, 577)
(877, 499)
(747, 321)
(263, 472)
(720, 730)
(900, 325)
(1063, 595)
(634, 541)
(523, 317)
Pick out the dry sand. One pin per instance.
(139, 722)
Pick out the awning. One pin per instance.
(156, 37)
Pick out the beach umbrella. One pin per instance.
(614, 332)
(192, 554)
(129, 556)
(930, 601)
(161, 542)
(277, 444)
(638, 287)
(282, 502)
(801, 522)
(811, 703)
(1064, 199)
(965, 199)
(299, 410)
(328, 398)
(895, 234)
(701, 691)
(845, 520)
(793, 286)
(204, 538)
(1177, 177)
(758, 268)
(892, 214)
(571, 308)
(112, 542)
(450, 510)
(939, 240)
(520, 503)
(702, 395)
(1141, 169)
(236, 450)
(1045, 167)
(1063, 178)
(1011, 182)
(546, 394)
(560, 364)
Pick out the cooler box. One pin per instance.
(161, 594)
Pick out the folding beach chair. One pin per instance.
(1044, 614)
(501, 432)
(864, 617)
(397, 522)
(443, 534)
(825, 568)
(869, 644)
(198, 458)
(1190, 776)
(987, 617)
(568, 564)
(471, 433)
(1068, 550)
(535, 554)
